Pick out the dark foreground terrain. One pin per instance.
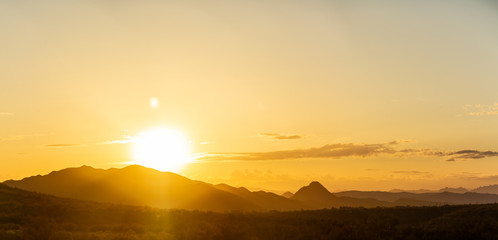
(27, 215)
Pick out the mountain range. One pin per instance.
(137, 185)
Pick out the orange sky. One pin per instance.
(271, 95)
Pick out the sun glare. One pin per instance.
(162, 149)
(154, 102)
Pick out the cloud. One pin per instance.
(341, 150)
(371, 169)
(327, 151)
(126, 139)
(411, 172)
(279, 136)
(62, 145)
(481, 109)
(470, 154)
(6, 114)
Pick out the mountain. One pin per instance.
(313, 192)
(412, 191)
(134, 185)
(287, 194)
(137, 185)
(492, 189)
(454, 190)
(434, 198)
(266, 200)
(316, 196)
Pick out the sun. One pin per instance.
(163, 149)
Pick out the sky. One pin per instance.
(365, 95)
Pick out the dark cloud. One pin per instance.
(371, 169)
(340, 150)
(62, 145)
(470, 154)
(280, 137)
(327, 151)
(410, 172)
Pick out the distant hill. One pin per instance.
(137, 185)
(434, 198)
(454, 190)
(134, 185)
(316, 196)
(287, 194)
(492, 189)
(266, 200)
(412, 191)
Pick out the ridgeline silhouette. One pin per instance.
(141, 186)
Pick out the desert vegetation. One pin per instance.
(27, 215)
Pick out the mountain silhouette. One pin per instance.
(135, 185)
(454, 190)
(266, 200)
(138, 185)
(316, 196)
(492, 189)
(429, 198)
(287, 194)
(313, 192)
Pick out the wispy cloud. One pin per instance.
(371, 169)
(126, 139)
(481, 109)
(6, 114)
(341, 150)
(63, 145)
(327, 151)
(411, 172)
(280, 136)
(470, 154)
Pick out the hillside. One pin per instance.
(33, 216)
(137, 185)
(439, 198)
(316, 196)
(134, 185)
(266, 200)
(492, 189)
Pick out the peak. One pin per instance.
(287, 194)
(134, 166)
(86, 166)
(314, 191)
(316, 184)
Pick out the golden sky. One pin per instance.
(368, 95)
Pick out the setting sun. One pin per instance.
(162, 149)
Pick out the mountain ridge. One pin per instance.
(138, 185)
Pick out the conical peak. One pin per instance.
(316, 184)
